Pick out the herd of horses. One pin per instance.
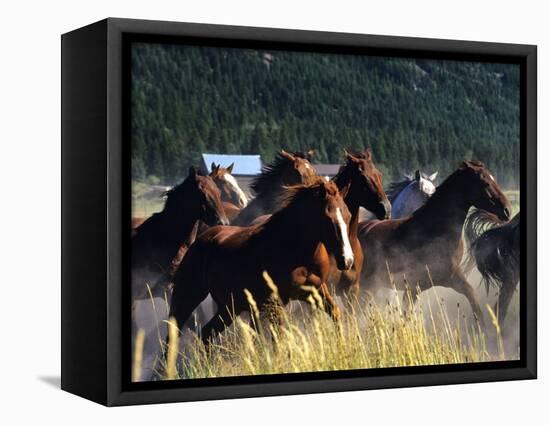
(308, 234)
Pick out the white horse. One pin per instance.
(410, 194)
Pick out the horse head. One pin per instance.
(482, 190)
(321, 205)
(408, 195)
(425, 184)
(336, 218)
(297, 168)
(230, 189)
(199, 195)
(366, 184)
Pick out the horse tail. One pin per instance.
(496, 254)
(477, 223)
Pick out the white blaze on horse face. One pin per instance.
(243, 201)
(492, 178)
(346, 246)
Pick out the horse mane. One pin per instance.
(344, 170)
(296, 194)
(174, 195)
(343, 173)
(157, 223)
(270, 175)
(451, 180)
(397, 187)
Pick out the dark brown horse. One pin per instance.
(233, 197)
(294, 246)
(431, 238)
(362, 182)
(286, 170)
(158, 243)
(495, 249)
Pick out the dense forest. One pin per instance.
(413, 113)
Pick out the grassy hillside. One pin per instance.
(414, 113)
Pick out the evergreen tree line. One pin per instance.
(413, 113)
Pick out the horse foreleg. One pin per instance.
(304, 281)
(329, 304)
(348, 285)
(459, 283)
(219, 322)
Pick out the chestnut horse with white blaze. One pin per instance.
(361, 182)
(293, 246)
(233, 197)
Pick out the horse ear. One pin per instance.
(310, 153)
(368, 154)
(348, 155)
(192, 171)
(213, 167)
(230, 168)
(286, 155)
(433, 176)
(417, 175)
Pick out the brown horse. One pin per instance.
(362, 182)
(233, 197)
(286, 170)
(294, 246)
(431, 238)
(158, 243)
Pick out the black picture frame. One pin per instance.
(96, 205)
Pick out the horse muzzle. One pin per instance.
(384, 210)
(223, 221)
(505, 214)
(344, 263)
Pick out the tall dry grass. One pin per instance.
(369, 335)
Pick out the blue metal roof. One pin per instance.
(245, 165)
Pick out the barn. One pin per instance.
(327, 170)
(245, 168)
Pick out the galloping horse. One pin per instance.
(158, 244)
(286, 170)
(294, 246)
(362, 182)
(410, 194)
(233, 197)
(432, 236)
(495, 248)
